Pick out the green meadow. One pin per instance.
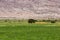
(26, 31)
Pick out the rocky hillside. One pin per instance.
(25, 9)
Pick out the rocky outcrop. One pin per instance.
(25, 9)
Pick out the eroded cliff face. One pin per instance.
(25, 9)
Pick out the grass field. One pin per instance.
(25, 31)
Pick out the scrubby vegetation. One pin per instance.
(31, 21)
(53, 21)
(22, 30)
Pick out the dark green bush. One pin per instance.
(19, 20)
(31, 21)
(45, 20)
(6, 20)
(53, 21)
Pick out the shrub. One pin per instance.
(19, 20)
(31, 21)
(45, 20)
(6, 20)
(53, 21)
